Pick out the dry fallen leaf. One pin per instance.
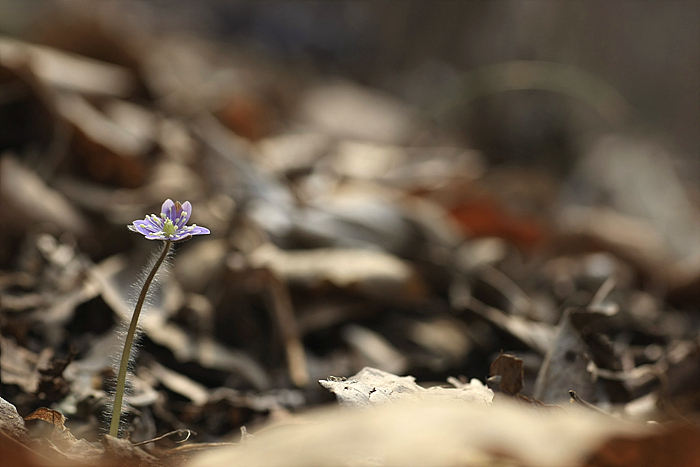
(51, 416)
(26, 200)
(677, 445)
(371, 273)
(429, 433)
(68, 71)
(11, 423)
(375, 387)
(510, 370)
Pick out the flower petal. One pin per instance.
(197, 230)
(168, 209)
(154, 224)
(187, 208)
(142, 227)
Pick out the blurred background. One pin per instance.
(645, 52)
(412, 186)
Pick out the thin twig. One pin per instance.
(200, 447)
(588, 405)
(167, 435)
(603, 291)
(283, 310)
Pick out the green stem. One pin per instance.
(124, 364)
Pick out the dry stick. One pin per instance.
(507, 286)
(167, 435)
(128, 342)
(603, 291)
(284, 312)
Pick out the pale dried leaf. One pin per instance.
(374, 387)
(25, 199)
(428, 433)
(345, 109)
(370, 272)
(11, 423)
(68, 71)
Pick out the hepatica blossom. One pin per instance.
(171, 225)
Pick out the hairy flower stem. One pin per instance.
(129, 341)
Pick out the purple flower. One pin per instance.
(170, 225)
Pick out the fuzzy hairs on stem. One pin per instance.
(129, 342)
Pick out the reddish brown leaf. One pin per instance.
(51, 416)
(510, 369)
